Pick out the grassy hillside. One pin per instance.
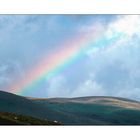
(16, 119)
(72, 111)
(95, 110)
(20, 105)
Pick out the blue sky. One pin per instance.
(111, 66)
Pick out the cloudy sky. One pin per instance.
(100, 55)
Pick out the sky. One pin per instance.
(70, 55)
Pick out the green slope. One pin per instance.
(74, 111)
(70, 111)
(20, 105)
(16, 119)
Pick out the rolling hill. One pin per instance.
(74, 111)
(12, 103)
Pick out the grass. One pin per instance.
(97, 114)
(16, 119)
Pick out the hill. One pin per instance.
(74, 111)
(94, 110)
(21, 106)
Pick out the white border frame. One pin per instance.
(69, 7)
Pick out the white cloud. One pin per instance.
(127, 25)
(9, 73)
(117, 65)
(57, 87)
(131, 93)
(88, 88)
(121, 56)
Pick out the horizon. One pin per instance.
(76, 97)
(48, 56)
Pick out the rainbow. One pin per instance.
(50, 65)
